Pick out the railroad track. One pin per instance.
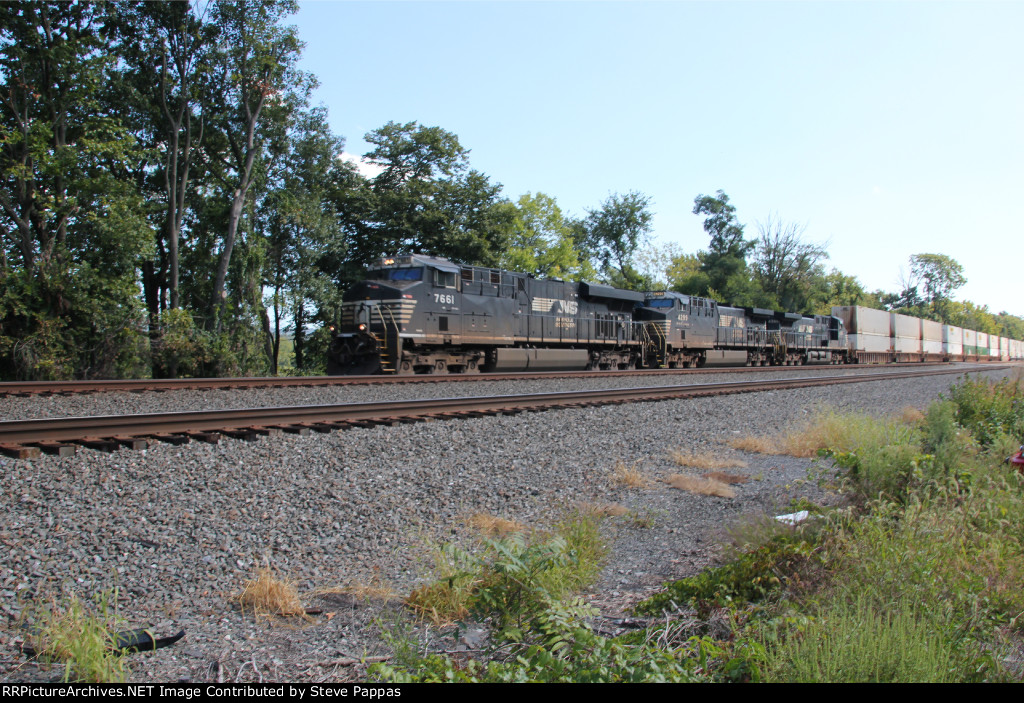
(61, 436)
(31, 388)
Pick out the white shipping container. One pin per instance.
(931, 330)
(952, 340)
(970, 342)
(1004, 348)
(906, 345)
(861, 320)
(931, 346)
(870, 343)
(982, 349)
(904, 326)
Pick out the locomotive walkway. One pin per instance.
(26, 438)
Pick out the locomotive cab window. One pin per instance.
(445, 279)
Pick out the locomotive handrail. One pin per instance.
(387, 340)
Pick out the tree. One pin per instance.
(541, 240)
(973, 317)
(724, 273)
(654, 263)
(70, 216)
(787, 267)
(685, 275)
(257, 88)
(304, 234)
(167, 50)
(721, 224)
(926, 291)
(412, 152)
(940, 275)
(725, 261)
(427, 201)
(611, 235)
(836, 288)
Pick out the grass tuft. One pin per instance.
(267, 594)
(493, 526)
(83, 640)
(600, 510)
(756, 445)
(565, 560)
(725, 477)
(375, 589)
(629, 476)
(705, 460)
(701, 486)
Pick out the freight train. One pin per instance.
(423, 314)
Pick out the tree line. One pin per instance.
(172, 203)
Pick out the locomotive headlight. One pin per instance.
(362, 327)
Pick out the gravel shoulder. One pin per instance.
(177, 530)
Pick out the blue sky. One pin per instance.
(888, 129)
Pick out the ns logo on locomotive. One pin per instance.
(423, 314)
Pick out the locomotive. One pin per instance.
(423, 314)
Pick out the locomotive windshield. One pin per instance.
(411, 274)
(660, 303)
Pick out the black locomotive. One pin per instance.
(421, 314)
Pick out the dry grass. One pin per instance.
(267, 595)
(756, 445)
(493, 526)
(724, 477)
(376, 589)
(600, 510)
(705, 460)
(629, 476)
(701, 486)
(831, 429)
(827, 429)
(911, 416)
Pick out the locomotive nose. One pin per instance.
(370, 291)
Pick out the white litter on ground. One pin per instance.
(793, 518)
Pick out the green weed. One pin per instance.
(855, 641)
(81, 637)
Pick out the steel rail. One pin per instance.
(74, 429)
(138, 385)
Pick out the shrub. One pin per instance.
(988, 409)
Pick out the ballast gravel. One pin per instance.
(96, 404)
(175, 531)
